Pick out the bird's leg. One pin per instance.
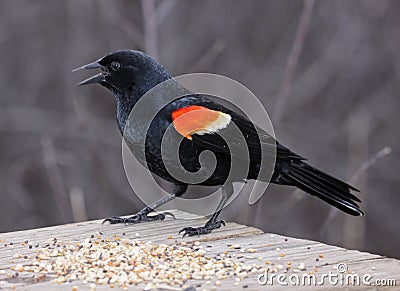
(212, 223)
(143, 216)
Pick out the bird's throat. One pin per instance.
(124, 108)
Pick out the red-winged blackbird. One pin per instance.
(130, 74)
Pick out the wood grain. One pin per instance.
(272, 251)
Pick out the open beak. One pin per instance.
(96, 78)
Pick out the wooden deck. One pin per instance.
(267, 250)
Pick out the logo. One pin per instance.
(223, 90)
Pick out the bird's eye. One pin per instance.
(115, 66)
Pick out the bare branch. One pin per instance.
(150, 28)
(78, 204)
(163, 9)
(116, 17)
(370, 162)
(35, 120)
(353, 181)
(55, 180)
(210, 55)
(292, 60)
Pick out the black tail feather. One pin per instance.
(322, 181)
(331, 190)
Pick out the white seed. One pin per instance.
(301, 267)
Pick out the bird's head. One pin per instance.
(126, 72)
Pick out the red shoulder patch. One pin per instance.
(198, 120)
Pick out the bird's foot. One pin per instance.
(141, 216)
(207, 228)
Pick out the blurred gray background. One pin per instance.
(328, 72)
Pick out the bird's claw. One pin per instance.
(169, 214)
(137, 218)
(207, 228)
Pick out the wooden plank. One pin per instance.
(271, 251)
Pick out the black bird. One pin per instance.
(198, 122)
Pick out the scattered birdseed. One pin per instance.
(301, 267)
(320, 256)
(122, 262)
(252, 250)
